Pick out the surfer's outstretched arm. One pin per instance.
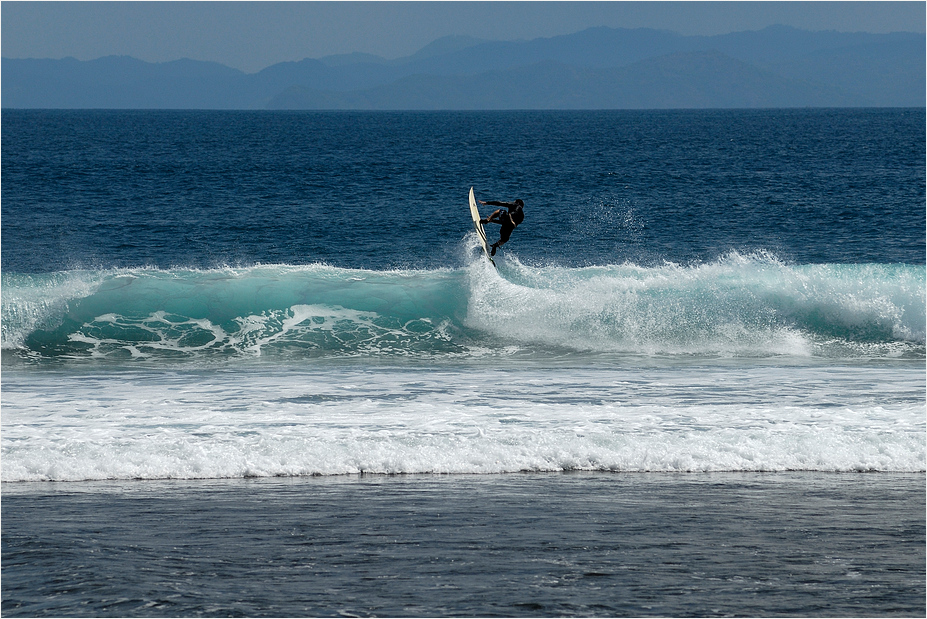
(497, 203)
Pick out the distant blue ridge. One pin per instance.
(597, 68)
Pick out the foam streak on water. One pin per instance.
(269, 421)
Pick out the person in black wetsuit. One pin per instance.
(509, 220)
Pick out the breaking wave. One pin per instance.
(736, 306)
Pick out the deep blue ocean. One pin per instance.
(253, 364)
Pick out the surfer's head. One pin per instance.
(519, 203)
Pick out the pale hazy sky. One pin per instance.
(254, 35)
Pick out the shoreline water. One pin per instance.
(539, 544)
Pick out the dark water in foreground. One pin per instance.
(745, 544)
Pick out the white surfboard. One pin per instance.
(475, 213)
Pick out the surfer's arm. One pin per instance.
(497, 203)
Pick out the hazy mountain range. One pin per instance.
(598, 68)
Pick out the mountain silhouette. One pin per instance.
(597, 68)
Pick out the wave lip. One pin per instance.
(30, 303)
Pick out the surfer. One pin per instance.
(508, 219)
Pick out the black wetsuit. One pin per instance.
(516, 213)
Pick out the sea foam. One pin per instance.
(286, 421)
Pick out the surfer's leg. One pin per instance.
(504, 233)
(492, 219)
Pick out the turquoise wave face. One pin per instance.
(308, 310)
(737, 306)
